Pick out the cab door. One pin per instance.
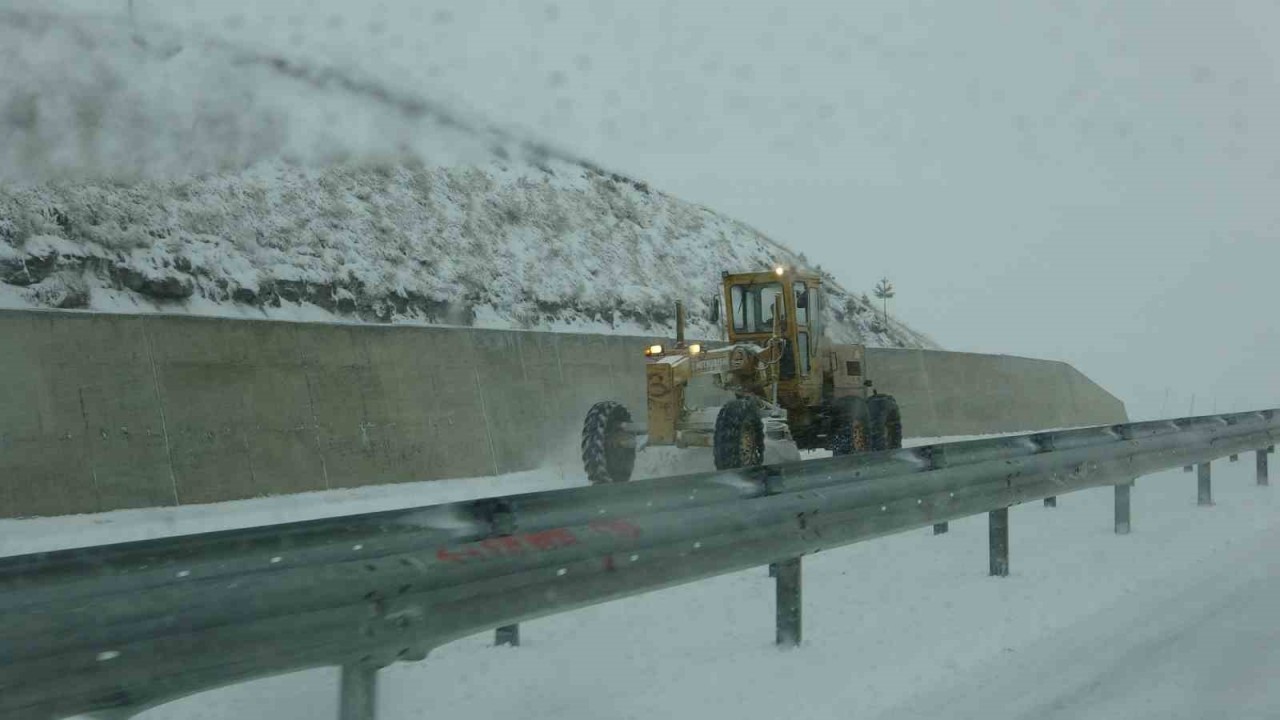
(805, 297)
(802, 299)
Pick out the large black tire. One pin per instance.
(886, 423)
(606, 454)
(739, 438)
(851, 427)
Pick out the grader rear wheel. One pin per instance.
(852, 430)
(886, 423)
(608, 451)
(739, 438)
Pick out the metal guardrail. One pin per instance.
(116, 629)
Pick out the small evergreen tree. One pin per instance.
(884, 291)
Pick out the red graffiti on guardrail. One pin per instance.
(542, 540)
(621, 528)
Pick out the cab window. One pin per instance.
(752, 307)
(802, 304)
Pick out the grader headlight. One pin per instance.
(694, 349)
(653, 350)
(779, 271)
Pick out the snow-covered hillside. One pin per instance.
(226, 182)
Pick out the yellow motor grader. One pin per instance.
(791, 385)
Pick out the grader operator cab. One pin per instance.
(790, 385)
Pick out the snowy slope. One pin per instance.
(299, 191)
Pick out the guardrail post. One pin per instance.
(507, 635)
(358, 697)
(1262, 467)
(937, 458)
(788, 595)
(1122, 508)
(1204, 495)
(998, 526)
(1051, 501)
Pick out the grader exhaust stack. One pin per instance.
(679, 324)
(788, 385)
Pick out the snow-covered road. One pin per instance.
(1173, 621)
(1204, 647)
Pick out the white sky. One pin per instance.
(1086, 181)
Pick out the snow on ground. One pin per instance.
(894, 628)
(29, 535)
(1199, 645)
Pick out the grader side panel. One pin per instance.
(848, 369)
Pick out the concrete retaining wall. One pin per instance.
(949, 393)
(100, 412)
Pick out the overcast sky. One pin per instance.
(1085, 181)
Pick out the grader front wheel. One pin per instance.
(608, 450)
(739, 438)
